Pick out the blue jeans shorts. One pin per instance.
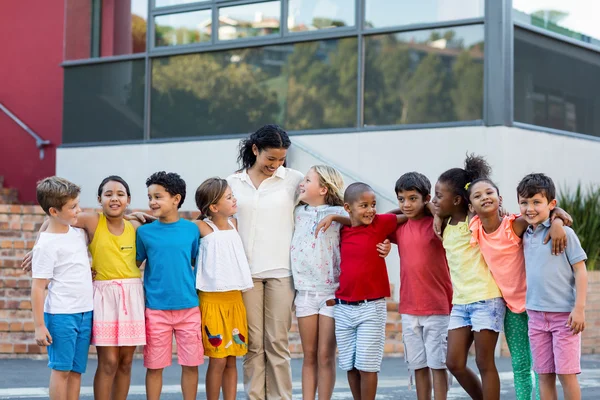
(480, 315)
(71, 336)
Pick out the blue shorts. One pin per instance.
(360, 335)
(481, 315)
(71, 336)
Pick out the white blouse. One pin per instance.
(222, 264)
(266, 219)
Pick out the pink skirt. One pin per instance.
(119, 313)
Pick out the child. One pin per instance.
(478, 309)
(169, 246)
(425, 288)
(222, 274)
(556, 292)
(499, 239)
(360, 312)
(316, 271)
(60, 260)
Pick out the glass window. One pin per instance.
(424, 76)
(165, 3)
(310, 15)
(576, 19)
(104, 102)
(249, 20)
(123, 27)
(183, 28)
(382, 13)
(301, 86)
(556, 84)
(78, 29)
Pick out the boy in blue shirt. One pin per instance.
(556, 292)
(169, 246)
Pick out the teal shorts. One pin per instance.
(71, 336)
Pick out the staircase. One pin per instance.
(8, 196)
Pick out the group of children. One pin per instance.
(467, 272)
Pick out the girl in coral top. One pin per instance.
(500, 242)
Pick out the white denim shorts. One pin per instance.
(425, 340)
(309, 303)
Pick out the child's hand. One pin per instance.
(141, 217)
(559, 237)
(576, 320)
(384, 248)
(502, 212)
(562, 215)
(26, 264)
(94, 273)
(323, 225)
(437, 226)
(42, 336)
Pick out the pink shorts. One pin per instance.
(160, 326)
(554, 348)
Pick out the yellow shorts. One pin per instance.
(224, 324)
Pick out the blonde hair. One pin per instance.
(55, 192)
(332, 180)
(209, 193)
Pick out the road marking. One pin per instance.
(589, 378)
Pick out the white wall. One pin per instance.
(378, 158)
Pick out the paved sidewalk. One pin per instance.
(28, 379)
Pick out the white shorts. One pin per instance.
(310, 303)
(425, 340)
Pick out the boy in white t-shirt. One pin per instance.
(60, 261)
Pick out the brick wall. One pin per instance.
(19, 226)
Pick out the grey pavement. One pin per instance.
(28, 379)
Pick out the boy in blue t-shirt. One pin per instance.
(169, 246)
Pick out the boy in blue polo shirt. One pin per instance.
(169, 246)
(556, 292)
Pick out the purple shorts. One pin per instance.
(554, 347)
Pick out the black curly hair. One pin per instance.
(113, 178)
(476, 167)
(266, 137)
(414, 181)
(172, 182)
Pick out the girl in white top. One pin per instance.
(223, 273)
(316, 271)
(266, 194)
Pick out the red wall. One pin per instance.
(31, 86)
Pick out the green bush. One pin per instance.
(584, 207)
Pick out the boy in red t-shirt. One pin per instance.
(425, 287)
(360, 310)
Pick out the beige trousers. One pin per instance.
(267, 369)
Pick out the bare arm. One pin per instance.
(38, 288)
(577, 317)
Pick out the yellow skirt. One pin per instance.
(224, 324)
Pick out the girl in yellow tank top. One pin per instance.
(478, 308)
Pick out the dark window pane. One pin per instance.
(300, 86)
(310, 15)
(123, 29)
(382, 13)
(183, 28)
(104, 102)
(249, 20)
(424, 76)
(575, 19)
(78, 29)
(556, 84)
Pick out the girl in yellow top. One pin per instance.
(118, 325)
(478, 308)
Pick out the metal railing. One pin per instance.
(39, 142)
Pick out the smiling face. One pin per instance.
(162, 204)
(68, 213)
(114, 199)
(536, 209)
(363, 209)
(227, 204)
(445, 201)
(484, 199)
(269, 159)
(412, 203)
(311, 191)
